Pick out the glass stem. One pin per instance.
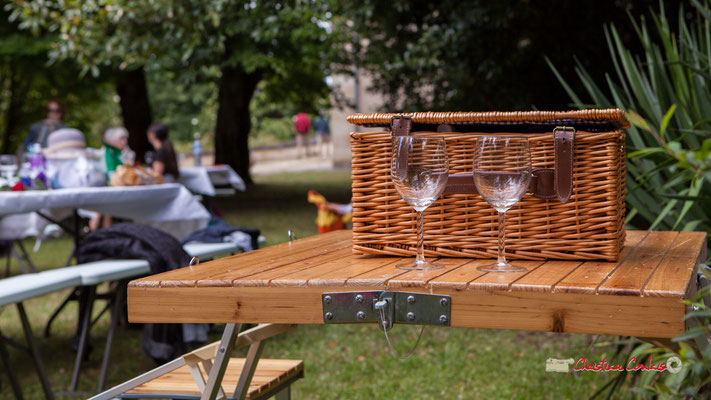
(501, 259)
(420, 238)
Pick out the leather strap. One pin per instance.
(564, 140)
(401, 125)
(541, 185)
(546, 183)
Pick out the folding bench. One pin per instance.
(206, 251)
(15, 290)
(191, 376)
(92, 274)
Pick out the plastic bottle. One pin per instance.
(197, 150)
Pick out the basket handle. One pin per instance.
(546, 183)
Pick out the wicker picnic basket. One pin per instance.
(574, 210)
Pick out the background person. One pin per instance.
(302, 124)
(116, 152)
(165, 162)
(39, 131)
(323, 133)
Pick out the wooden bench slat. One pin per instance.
(269, 373)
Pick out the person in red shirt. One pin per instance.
(302, 125)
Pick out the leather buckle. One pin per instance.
(400, 116)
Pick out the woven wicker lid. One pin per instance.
(612, 115)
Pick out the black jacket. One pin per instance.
(162, 342)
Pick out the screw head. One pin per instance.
(411, 316)
(327, 299)
(443, 301)
(359, 298)
(360, 315)
(329, 315)
(410, 299)
(443, 319)
(222, 349)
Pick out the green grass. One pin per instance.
(342, 362)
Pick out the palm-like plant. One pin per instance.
(666, 92)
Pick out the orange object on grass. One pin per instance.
(328, 218)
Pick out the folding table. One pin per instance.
(319, 280)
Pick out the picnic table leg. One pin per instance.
(48, 326)
(284, 394)
(250, 365)
(115, 314)
(8, 370)
(35, 354)
(85, 323)
(217, 372)
(25, 255)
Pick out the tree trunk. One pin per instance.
(135, 109)
(15, 100)
(233, 121)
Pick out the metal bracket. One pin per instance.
(391, 307)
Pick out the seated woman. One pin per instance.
(165, 163)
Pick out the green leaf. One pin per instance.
(697, 314)
(690, 334)
(662, 214)
(694, 190)
(645, 152)
(665, 121)
(638, 120)
(692, 225)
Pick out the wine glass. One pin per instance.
(149, 157)
(502, 172)
(419, 169)
(8, 166)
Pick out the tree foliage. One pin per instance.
(475, 55)
(666, 91)
(234, 43)
(27, 82)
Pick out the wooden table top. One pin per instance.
(639, 295)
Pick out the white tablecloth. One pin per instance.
(203, 180)
(170, 207)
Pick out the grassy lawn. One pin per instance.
(342, 362)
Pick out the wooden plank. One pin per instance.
(420, 278)
(676, 271)
(299, 249)
(544, 278)
(377, 277)
(460, 277)
(333, 273)
(237, 269)
(587, 277)
(502, 280)
(265, 277)
(539, 311)
(629, 277)
(268, 373)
